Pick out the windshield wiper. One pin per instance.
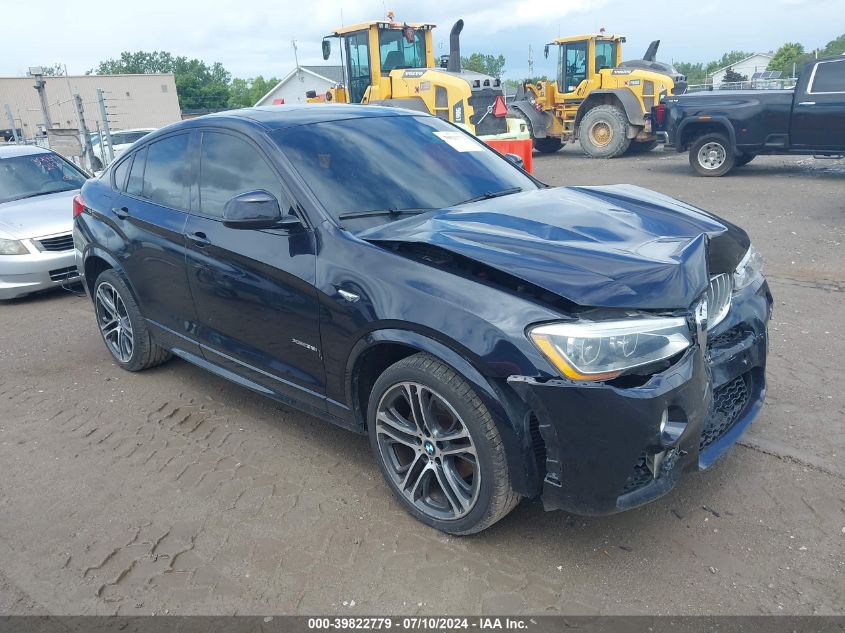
(378, 212)
(492, 194)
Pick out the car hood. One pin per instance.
(617, 246)
(38, 216)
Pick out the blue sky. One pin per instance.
(254, 37)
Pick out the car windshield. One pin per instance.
(36, 175)
(394, 164)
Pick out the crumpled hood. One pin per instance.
(38, 216)
(617, 246)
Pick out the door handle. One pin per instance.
(199, 239)
(121, 212)
(806, 103)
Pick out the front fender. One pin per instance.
(511, 416)
(539, 120)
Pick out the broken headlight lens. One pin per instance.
(747, 269)
(12, 247)
(603, 350)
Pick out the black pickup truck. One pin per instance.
(727, 129)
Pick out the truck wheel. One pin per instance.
(641, 147)
(711, 155)
(438, 447)
(603, 132)
(744, 159)
(548, 145)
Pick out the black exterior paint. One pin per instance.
(761, 121)
(263, 308)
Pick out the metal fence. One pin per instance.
(760, 84)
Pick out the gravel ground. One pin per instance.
(173, 491)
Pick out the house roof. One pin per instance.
(766, 55)
(331, 74)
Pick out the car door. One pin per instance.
(818, 116)
(150, 213)
(253, 289)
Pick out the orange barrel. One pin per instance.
(523, 149)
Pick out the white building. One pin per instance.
(294, 85)
(132, 101)
(758, 62)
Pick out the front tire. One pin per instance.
(438, 447)
(711, 155)
(123, 328)
(603, 132)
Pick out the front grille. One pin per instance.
(480, 100)
(719, 294)
(60, 274)
(726, 338)
(58, 243)
(640, 476)
(729, 403)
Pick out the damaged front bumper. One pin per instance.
(610, 448)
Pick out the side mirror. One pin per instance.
(327, 49)
(257, 209)
(516, 160)
(546, 51)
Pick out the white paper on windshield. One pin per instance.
(460, 141)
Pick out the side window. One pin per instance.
(572, 66)
(168, 172)
(120, 173)
(829, 77)
(117, 138)
(230, 166)
(136, 175)
(605, 55)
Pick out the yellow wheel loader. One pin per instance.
(596, 98)
(392, 64)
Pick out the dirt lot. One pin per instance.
(174, 491)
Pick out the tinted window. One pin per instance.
(120, 173)
(36, 175)
(117, 138)
(230, 166)
(136, 176)
(830, 77)
(395, 162)
(131, 137)
(168, 172)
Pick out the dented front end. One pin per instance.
(609, 448)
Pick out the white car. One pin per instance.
(37, 189)
(121, 140)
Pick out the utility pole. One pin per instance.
(12, 123)
(106, 128)
(83, 130)
(296, 60)
(38, 74)
(530, 62)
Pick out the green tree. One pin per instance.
(695, 73)
(245, 93)
(731, 76)
(53, 70)
(788, 56)
(484, 64)
(199, 86)
(834, 47)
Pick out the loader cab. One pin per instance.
(372, 50)
(581, 58)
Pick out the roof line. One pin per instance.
(743, 60)
(287, 77)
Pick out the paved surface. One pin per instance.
(174, 491)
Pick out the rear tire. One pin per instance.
(547, 145)
(711, 155)
(438, 447)
(603, 132)
(122, 327)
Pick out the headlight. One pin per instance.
(750, 266)
(603, 350)
(12, 247)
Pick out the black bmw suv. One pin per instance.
(382, 269)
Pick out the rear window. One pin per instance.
(829, 77)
